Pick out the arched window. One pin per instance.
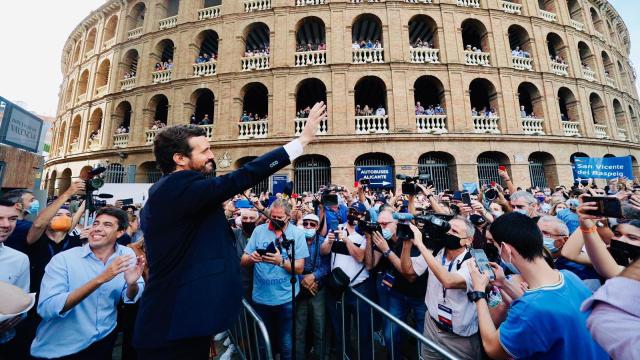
(102, 78)
(547, 5)
(477, 46)
(135, 20)
(521, 48)
(206, 54)
(74, 135)
(597, 21)
(308, 93)
(587, 61)
(368, 44)
(371, 106)
(65, 180)
(163, 55)
(542, 170)
(484, 106)
(310, 35)
(115, 174)
(621, 120)
(203, 102)
(51, 186)
(423, 40)
(257, 47)
(609, 69)
(558, 54)
(575, 11)
(90, 44)
(262, 186)
(569, 112)
(159, 109)
(167, 9)
(255, 102)
(376, 162)
(83, 83)
(94, 135)
(439, 166)
(130, 68)
(69, 92)
(430, 105)
(123, 118)
(531, 109)
(110, 29)
(311, 172)
(488, 165)
(598, 110)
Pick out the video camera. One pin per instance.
(409, 186)
(433, 227)
(94, 179)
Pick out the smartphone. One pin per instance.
(466, 198)
(271, 249)
(127, 201)
(502, 168)
(404, 232)
(483, 262)
(608, 206)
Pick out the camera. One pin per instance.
(491, 194)
(433, 227)
(409, 186)
(369, 227)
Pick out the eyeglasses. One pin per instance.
(309, 224)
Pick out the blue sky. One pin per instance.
(32, 35)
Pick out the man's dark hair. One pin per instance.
(15, 196)
(121, 215)
(174, 140)
(519, 231)
(6, 202)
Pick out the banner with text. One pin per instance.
(379, 176)
(602, 168)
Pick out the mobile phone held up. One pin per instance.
(466, 198)
(483, 262)
(271, 249)
(608, 206)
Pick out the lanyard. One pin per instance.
(64, 247)
(444, 290)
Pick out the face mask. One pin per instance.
(624, 253)
(387, 234)
(451, 242)
(509, 265)
(540, 199)
(61, 223)
(309, 233)
(248, 227)
(549, 244)
(276, 224)
(498, 213)
(34, 208)
(547, 193)
(352, 219)
(522, 211)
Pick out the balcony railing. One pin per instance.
(74, 147)
(469, 3)
(483, 124)
(364, 56)
(120, 140)
(431, 124)
(532, 126)
(150, 136)
(300, 124)
(423, 55)
(588, 74)
(250, 63)
(209, 13)
(599, 35)
(94, 145)
(477, 58)
(622, 134)
(311, 58)
(161, 76)
(82, 98)
(256, 5)
(576, 25)
(601, 131)
(522, 63)
(419, 1)
(205, 69)
(571, 128)
(253, 129)
(362, 1)
(559, 68)
(168, 23)
(89, 53)
(135, 33)
(610, 81)
(101, 91)
(547, 15)
(208, 129)
(109, 43)
(128, 84)
(309, 2)
(511, 8)
(372, 124)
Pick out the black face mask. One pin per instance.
(451, 242)
(278, 224)
(248, 227)
(352, 219)
(624, 253)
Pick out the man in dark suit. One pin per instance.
(194, 287)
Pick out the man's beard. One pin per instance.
(205, 171)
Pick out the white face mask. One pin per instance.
(497, 214)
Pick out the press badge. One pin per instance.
(445, 317)
(388, 280)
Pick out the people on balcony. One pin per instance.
(157, 125)
(166, 65)
(122, 130)
(517, 52)
(487, 112)
(564, 117)
(262, 51)
(129, 75)
(585, 66)
(381, 111)
(419, 44)
(205, 120)
(431, 110)
(248, 117)
(525, 115)
(311, 47)
(303, 113)
(205, 58)
(557, 59)
(473, 49)
(74, 142)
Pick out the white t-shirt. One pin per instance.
(465, 316)
(348, 264)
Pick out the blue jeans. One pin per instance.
(361, 312)
(279, 322)
(399, 306)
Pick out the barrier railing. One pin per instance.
(209, 13)
(135, 33)
(610, 81)
(250, 336)
(205, 69)
(250, 63)
(309, 2)
(532, 126)
(469, 3)
(601, 131)
(364, 56)
(372, 124)
(375, 310)
(128, 84)
(256, 5)
(483, 124)
(253, 129)
(208, 129)
(423, 55)
(477, 58)
(522, 63)
(571, 128)
(511, 8)
(431, 124)
(120, 140)
(150, 136)
(559, 68)
(548, 16)
(300, 123)
(310, 58)
(622, 134)
(161, 76)
(588, 74)
(419, 1)
(168, 23)
(576, 25)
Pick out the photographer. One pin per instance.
(551, 331)
(403, 292)
(25, 203)
(352, 265)
(451, 321)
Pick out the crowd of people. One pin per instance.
(311, 47)
(205, 58)
(521, 53)
(366, 45)
(122, 130)
(419, 44)
(473, 49)
(248, 116)
(557, 59)
(561, 281)
(370, 111)
(164, 65)
(487, 112)
(157, 125)
(129, 75)
(430, 110)
(261, 51)
(204, 121)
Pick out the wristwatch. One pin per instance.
(282, 263)
(474, 296)
(386, 253)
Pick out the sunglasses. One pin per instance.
(309, 224)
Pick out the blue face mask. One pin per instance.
(522, 211)
(34, 208)
(387, 234)
(549, 244)
(510, 266)
(309, 233)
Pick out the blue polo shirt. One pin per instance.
(546, 323)
(271, 283)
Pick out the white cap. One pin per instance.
(313, 217)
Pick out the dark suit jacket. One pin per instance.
(194, 286)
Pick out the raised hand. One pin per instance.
(119, 265)
(316, 115)
(133, 273)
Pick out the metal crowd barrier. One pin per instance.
(374, 308)
(250, 336)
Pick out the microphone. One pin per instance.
(403, 216)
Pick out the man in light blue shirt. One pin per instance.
(81, 289)
(272, 274)
(14, 270)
